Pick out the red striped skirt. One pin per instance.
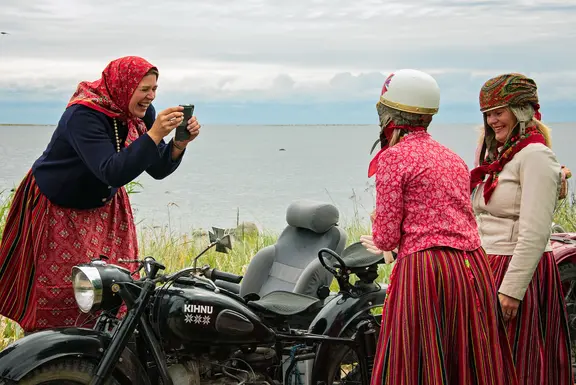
(442, 324)
(40, 245)
(539, 335)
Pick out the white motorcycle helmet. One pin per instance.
(412, 91)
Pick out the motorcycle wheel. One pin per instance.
(344, 367)
(62, 372)
(568, 277)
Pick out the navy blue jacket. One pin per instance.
(80, 167)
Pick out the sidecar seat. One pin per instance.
(292, 264)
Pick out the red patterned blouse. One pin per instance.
(423, 198)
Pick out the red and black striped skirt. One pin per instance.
(442, 324)
(538, 335)
(40, 245)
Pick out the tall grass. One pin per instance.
(177, 250)
(565, 214)
(9, 330)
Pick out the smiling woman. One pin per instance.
(72, 205)
(514, 193)
(144, 94)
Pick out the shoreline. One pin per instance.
(277, 125)
(25, 125)
(238, 125)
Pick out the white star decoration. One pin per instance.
(197, 319)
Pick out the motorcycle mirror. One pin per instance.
(222, 240)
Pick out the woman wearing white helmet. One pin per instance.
(440, 323)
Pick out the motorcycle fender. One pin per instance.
(563, 247)
(343, 310)
(568, 257)
(338, 314)
(36, 349)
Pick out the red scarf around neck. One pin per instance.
(513, 146)
(388, 131)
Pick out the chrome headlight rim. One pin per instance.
(95, 279)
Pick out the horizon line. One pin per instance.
(274, 124)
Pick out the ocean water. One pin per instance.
(252, 173)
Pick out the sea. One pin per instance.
(232, 174)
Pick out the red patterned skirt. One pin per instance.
(40, 245)
(539, 335)
(442, 324)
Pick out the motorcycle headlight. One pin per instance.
(96, 286)
(87, 285)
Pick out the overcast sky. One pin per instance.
(276, 53)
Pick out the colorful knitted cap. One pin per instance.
(508, 90)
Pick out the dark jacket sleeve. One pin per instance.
(87, 132)
(164, 166)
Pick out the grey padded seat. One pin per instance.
(291, 264)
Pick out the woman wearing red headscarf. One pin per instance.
(72, 205)
(514, 193)
(440, 321)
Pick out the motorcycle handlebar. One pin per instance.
(224, 276)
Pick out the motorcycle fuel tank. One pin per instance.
(186, 314)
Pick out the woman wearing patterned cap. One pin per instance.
(72, 205)
(514, 193)
(440, 322)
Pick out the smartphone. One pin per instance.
(181, 131)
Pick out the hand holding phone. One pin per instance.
(182, 133)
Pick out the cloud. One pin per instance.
(264, 50)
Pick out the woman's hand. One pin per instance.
(566, 174)
(509, 306)
(368, 243)
(194, 130)
(165, 123)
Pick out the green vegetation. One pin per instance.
(176, 251)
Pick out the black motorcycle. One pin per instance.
(182, 329)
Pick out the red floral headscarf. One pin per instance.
(111, 93)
